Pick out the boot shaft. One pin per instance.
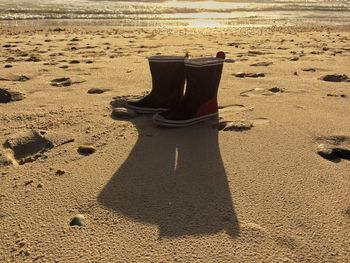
(203, 77)
(168, 74)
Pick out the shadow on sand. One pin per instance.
(175, 179)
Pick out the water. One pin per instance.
(178, 13)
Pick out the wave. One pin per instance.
(158, 9)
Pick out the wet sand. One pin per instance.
(269, 183)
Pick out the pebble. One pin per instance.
(335, 78)
(255, 75)
(60, 172)
(74, 62)
(294, 59)
(86, 149)
(64, 66)
(8, 95)
(240, 125)
(326, 151)
(8, 66)
(276, 89)
(96, 91)
(240, 74)
(123, 113)
(261, 64)
(309, 69)
(40, 185)
(61, 82)
(77, 220)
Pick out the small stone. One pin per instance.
(60, 172)
(309, 69)
(295, 73)
(239, 125)
(8, 66)
(294, 59)
(240, 74)
(261, 64)
(89, 62)
(61, 82)
(64, 66)
(276, 89)
(77, 220)
(335, 78)
(86, 149)
(74, 62)
(40, 185)
(255, 75)
(123, 113)
(8, 95)
(96, 91)
(326, 151)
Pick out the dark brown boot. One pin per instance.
(200, 100)
(168, 80)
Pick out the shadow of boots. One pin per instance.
(176, 180)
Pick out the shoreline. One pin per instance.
(167, 23)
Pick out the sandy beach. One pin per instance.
(277, 191)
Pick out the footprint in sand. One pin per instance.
(333, 148)
(29, 145)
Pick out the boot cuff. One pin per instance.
(166, 59)
(204, 62)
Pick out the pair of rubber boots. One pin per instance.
(173, 107)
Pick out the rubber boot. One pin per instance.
(200, 100)
(168, 80)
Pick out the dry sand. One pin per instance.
(195, 194)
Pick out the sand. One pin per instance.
(206, 193)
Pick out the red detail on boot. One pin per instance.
(209, 107)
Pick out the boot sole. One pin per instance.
(161, 121)
(145, 110)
